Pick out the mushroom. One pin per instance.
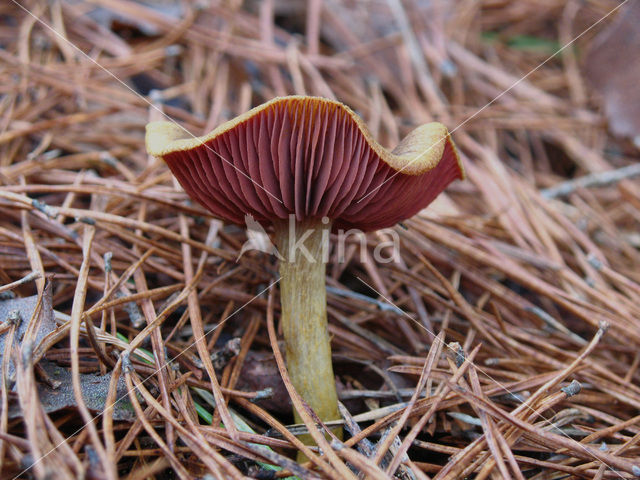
(303, 166)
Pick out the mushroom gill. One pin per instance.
(310, 157)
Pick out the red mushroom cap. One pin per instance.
(311, 157)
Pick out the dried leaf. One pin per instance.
(259, 371)
(26, 308)
(613, 67)
(94, 391)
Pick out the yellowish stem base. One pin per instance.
(303, 248)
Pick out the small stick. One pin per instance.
(598, 179)
(26, 279)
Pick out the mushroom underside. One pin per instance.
(313, 160)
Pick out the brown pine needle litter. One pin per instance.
(503, 340)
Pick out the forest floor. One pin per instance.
(504, 342)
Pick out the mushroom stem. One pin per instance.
(303, 247)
